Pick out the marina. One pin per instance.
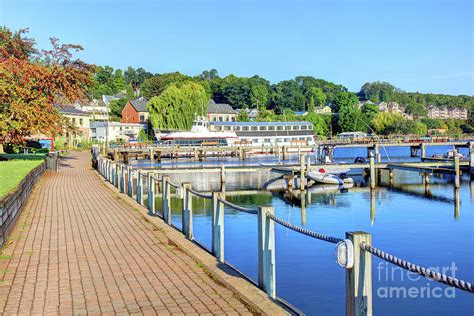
(402, 183)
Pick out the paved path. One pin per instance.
(79, 249)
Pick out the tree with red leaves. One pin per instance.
(32, 82)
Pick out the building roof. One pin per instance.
(70, 110)
(139, 104)
(220, 108)
(260, 123)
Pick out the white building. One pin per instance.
(115, 131)
(97, 109)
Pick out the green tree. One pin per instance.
(288, 95)
(321, 123)
(369, 111)
(116, 107)
(351, 118)
(243, 116)
(155, 85)
(259, 96)
(385, 122)
(177, 105)
(317, 98)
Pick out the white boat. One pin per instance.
(327, 178)
(200, 136)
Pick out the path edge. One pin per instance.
(251, 295)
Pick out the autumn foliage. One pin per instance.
(32, 82)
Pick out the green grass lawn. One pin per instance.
(13, 171)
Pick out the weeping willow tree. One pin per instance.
(176, 106)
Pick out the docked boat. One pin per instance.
(449, 155)
(323, 177)
(200, 135)
(269, 134)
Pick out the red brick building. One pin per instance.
(135, 111)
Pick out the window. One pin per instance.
(74, 120)
(218, 128)
(237, 128)
(287, 128)
(303, 127)
(142, 118)
(271, 128)
(254, 128)
(80, 122)
(220, 118)
(245, 128)
(263, 128)
(255, 140)
(296, 127)
(227, 128)
(279, 128)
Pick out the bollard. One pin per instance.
(166, 200)
(187, 215)
(222, 175)
(217, 227)
(359, 277)
(302, 173)
(266, 252)
(457, 171)
(151, 193)
(372, 171)
(139, 187)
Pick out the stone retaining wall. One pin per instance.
(11, 205)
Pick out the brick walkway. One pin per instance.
(79, 249)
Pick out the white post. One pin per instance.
(266, 252)
(457, 171)
(217, 227)
(372, 170)
(151, 193)
(130, 182)
(187, 214)
(139, 188)
(122, 179)
(166, 199)
(359, 277)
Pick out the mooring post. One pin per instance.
(266, 251)
(222, 175)
(423, 151)
(187, 215)
(457, 171)
(471, 158)
(152, 154)
(151, 193)
(166, 188)
(377, 153)
(284, 153)
(372, 171)
(302, 173)
(359, 277)
(140, 187)
(308, 163)
(217, 227)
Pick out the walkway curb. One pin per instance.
(256, 299)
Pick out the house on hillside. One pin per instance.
(220, 112)
(323, 110)
(78, 118)
(135, 111)
(444, 113)
(97, 109)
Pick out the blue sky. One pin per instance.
(416, 45)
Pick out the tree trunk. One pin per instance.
(1, 148)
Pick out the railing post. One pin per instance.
(122, 179)
(217, 227)
(166, 199)
(359, 277)
(457, 173)
(130, 182)
(302, 173)
(266, 251)
(151, 193)
(187, 214)
(372, 170)
(139, 187)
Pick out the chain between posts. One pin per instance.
(237, 207)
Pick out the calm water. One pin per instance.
(423, 225)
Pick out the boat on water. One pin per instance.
(270, 134)
(323, 177)
(248, 134)
(449, 155)
(200, 135)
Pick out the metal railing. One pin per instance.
(356, 249)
